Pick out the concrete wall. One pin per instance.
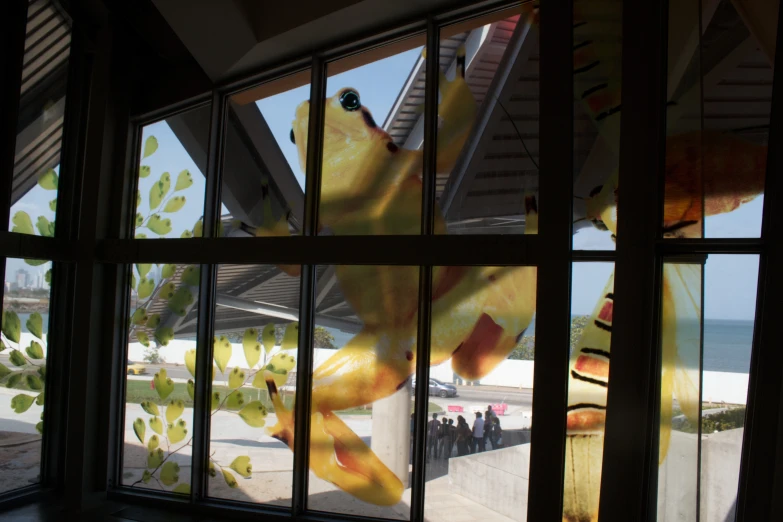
(719, 387)
(495, 479)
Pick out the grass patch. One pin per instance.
(139, 390)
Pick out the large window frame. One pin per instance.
(94, 259)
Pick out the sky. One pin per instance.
(730, 280)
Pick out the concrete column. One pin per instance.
(391, 431)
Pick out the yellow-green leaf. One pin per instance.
(156, 196)
(167, 291)
(4, 370)
(215, 402)
(258, 380)
(13, 380)
(186, 234)
(236, 378)
(254, 414)
(34, 351)
(229, 478)
(35, 325)
(281, 361)
(198, 228)
(143, 338)
(222, 352)
(150, 407)
(36, 262)
(53, 205)
(139, 220)
(191, 387)
(48, 180)
(140, 429)
(22, 223)
(39, 428)
(183, 488)
(190, 276)
(242, 466)
(180, 301)
(290, 337)
(45, 228)
(21, 403)
(141, 236)
(252, 347)
(146, 476)
(40, 399)
(177, 431)
(175, 204)
(268, 337)
(174, 410)
(184, 180)
(235, 400)
(33, 382)
(48, 276)
(153, 321)
(143, 269)
(150, 146)
(17, 359)
(190, 361)
(163, 384)
(157, 425)
(168, 271)
(159, 225)
(154, 458)
(146, 286)
(169, 473)
(153, 443)
(139, 317)
(144, 171)
(211, 469)
(163, 335)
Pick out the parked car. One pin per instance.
(136, 368)
(441, 389)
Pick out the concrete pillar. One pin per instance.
(391, 431)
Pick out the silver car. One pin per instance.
(441, 389)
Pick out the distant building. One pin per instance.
(22, 278)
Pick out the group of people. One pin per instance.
(443, 436)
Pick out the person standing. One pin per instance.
(452, 438)
(443, 431)
(497, 433)
(432, 437)
(488, 421)
(463, 437)
(478, 433)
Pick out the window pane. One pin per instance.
(159, 388)
(720, 90)
(40, 125)
(592, 302)
(371, 183)
(172, 162)
(597, 88)
(487, 148)
(263, 173)
(365, 348)
(482, 351)
(707, 381)
(25, 335)
(256, 324)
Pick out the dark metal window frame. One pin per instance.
(101, 262)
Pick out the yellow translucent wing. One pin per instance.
(680, 345)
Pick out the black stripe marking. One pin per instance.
(587, 67)
(610, 295)
(595, 89)
(606, 114)
(461, 65)
(596, 351)
(588, 379)
(582, 44)
(368, 118)
(585, 405)
(603, 326)
(678, 226)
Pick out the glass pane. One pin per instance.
(364, 354)
(161, 361)
(701, 460)
(720, 89)
(256, 325)
(25, 335)
(481, 364)
(597, 88)
(371, 180)
(263, 180)
(487, 148)
(592, 302)
(172, 162)
(40, 125)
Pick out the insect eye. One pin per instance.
(350, 100)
